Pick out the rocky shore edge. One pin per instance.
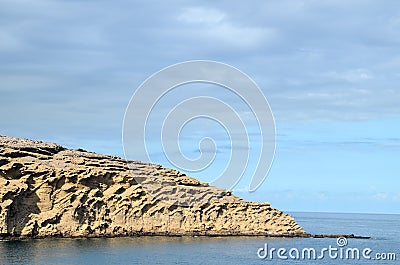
(194, 234)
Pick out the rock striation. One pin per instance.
(47, 190)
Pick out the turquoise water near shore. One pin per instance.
(384, 230)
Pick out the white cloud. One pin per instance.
(386, 196)
(213, 26)
(201, 15)
(354, 75)
(241, 37)
(381, 196)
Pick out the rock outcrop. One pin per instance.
(48, 190)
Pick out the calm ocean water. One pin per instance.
(384, 230)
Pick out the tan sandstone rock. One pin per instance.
(48, 190)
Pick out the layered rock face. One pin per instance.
(48, 190)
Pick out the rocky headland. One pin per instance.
(47, 190)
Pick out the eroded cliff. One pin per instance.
(48, 190)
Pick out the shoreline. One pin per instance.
(197, 234)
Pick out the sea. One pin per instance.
(382, 248)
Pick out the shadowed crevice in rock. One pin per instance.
(19, 211)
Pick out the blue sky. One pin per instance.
(330, 71)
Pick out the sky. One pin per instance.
(329, 70)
